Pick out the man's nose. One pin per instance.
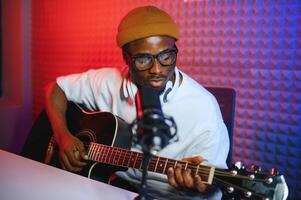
(156, 68)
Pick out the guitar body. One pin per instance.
(99, 127)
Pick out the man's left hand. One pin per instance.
(180, 178)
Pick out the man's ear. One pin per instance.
(125, 57)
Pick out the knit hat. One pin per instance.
(144, 22)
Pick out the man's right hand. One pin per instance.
(72, 155)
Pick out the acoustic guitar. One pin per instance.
(107, 139)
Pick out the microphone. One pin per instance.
(152, 129)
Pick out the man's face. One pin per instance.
(152, 73)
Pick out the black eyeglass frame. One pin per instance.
(154, 57)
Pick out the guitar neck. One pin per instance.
(126, 158)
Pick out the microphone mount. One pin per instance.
(153, 131)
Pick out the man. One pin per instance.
(147, 36)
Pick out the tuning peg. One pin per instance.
(230, 189)
(239, 165)
(274, 172)
(255, 168)
(248, 194)
(236, 167)
(268, 180)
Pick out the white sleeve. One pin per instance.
(88, 88)
(212, 142)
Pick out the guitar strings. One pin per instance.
(170, 161)
(153, 161)
(127, 155)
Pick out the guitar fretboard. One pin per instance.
(126, 158)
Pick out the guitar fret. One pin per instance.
(103, 153)
(135, 159)
(132, 160)
(186, 165)
(165, 165)
(129, 159)
(160, 165)
(105, 156)
(120, 156)
(93, 152)
(109, 156)
(192, 167)
(175, 164)
(115, 153)
(98, 151)
(156, 164)
(197, 170)
(138, 161)
(151, 164)
(123, 157)
(113, 156)
(117, 156)
(124, 152)
(211, 174)
(89, 152)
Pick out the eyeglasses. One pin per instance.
(145, 61)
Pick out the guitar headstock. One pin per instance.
(240, 183)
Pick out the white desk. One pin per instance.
(24, 179)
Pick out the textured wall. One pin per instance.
(250, 45)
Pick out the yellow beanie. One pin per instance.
(144, 22)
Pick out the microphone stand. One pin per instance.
(153, 131)
(148, 144)
(143, 185)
